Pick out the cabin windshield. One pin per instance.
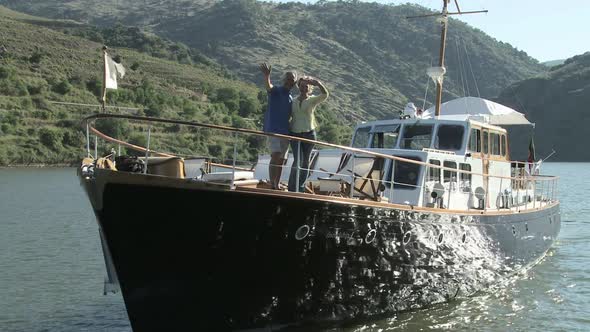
(416, 137)
(361, 137)
(385, 136)
(449, 137)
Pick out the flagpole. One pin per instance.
(104, 82)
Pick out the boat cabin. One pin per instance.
(462, 145)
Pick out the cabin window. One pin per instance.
(416, 137)
(485, 142)
(449, 176)
(495, 144)
(361, 137)
(465, 178)
(475, 140)
(405, 175)
(449, 137)
(385, 136)
(434, 172)
(503, 145)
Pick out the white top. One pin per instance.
(481, 110)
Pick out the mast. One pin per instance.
(441, 61)
(437, 73)
(104, 80)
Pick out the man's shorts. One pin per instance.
(279, 145)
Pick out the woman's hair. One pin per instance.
(309, 87)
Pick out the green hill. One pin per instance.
(371, 57)
(557, 103)
(41, 62)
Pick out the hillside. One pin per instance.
(42, 62)
(556, 102)
(371, 57)
(553, 63)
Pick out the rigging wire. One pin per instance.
(471, 69)
(427, 84)
(460, 65)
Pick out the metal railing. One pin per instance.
(532, 191)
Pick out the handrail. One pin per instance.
(88, 119)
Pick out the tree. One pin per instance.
(50, 137)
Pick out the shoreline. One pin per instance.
(64, 165)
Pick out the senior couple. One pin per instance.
(291, 116)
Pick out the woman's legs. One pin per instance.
(303, 149)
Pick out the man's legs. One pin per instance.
(275, 169)
(278, 154)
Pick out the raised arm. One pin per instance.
(265, 68)
(321, 86)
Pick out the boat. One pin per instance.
(416, 211)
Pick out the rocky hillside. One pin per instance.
(372, 57)
(558, 103)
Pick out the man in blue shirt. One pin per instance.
(276, 120)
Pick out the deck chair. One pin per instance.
(368, 172)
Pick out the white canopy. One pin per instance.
(481, 110)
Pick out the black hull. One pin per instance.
(204, 259)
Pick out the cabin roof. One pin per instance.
(440, 120)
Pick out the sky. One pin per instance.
(544, 29)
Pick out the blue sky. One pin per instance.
(545, 29)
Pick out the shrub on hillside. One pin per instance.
(230, 97)
(153, 109)
(137, 139)
(215, 150)
(94, 85)
(36, 89)
(43, 114)
(62, 87)
(26, 103)
(6, 72)
(189, 111)
(36, 57)
(13, 86)
(115, 128)
(50, 137)
(11, 118)
(4, 159)
(6, 129)
(73, 138)
(249, 106)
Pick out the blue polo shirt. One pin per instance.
(276, 118)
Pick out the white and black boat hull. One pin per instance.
(195, 257)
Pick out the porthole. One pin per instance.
(302, 232)
(370, 237)
(407, 237)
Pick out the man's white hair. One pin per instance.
(294, 72)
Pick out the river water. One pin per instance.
(52, 271)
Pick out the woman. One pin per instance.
(303, 124)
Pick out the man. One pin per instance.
(276, 120)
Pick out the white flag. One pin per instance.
(112, 70)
